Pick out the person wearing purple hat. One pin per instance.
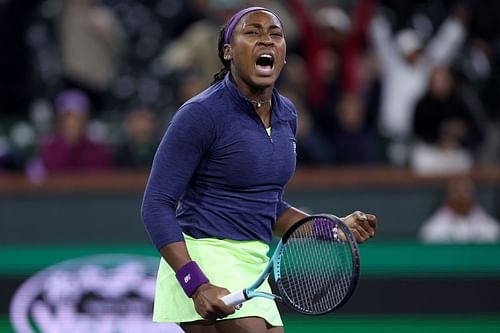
(69, 149)
(72, 100)
(213, 200)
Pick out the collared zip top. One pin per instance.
(215, 175)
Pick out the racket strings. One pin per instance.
(315, 274)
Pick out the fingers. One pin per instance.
(219, 310)
(363, 226)
(360, 233)
(209, 305)
(370, 224)
(360, 215)
(372, 220)
(215, 311)
(225, 309)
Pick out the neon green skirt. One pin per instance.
(230, 264)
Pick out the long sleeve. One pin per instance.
(185, 142)
(444, 46)
(383, 43)
(313, 47)
(282, 204)
(352, 46)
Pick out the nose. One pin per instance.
(266, 40)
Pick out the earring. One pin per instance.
(284, 62)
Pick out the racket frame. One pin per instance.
(238, 297)
(355, 261)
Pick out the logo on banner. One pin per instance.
(98, 294)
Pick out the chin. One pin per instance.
(264, 81)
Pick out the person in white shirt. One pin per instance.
(406, 66)
(461, 219)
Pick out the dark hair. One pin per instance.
(226, 63)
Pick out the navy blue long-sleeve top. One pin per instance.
(217, 173)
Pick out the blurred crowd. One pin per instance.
(92, 85)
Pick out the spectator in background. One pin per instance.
(352, 138)
(137, 149)
(447, 130)
(331, 43)
(91, 43)
(406, 67)
(193, 50)
(189, 84)
(312, 147)
(69, 148)
(460, 219)
(481, 61)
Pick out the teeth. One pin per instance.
(266, 56)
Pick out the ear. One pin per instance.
(228, 52)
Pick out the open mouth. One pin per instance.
(264, 64)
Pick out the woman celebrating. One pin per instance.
(214, 197)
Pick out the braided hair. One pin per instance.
(219, 76)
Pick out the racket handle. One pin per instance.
(236, 298)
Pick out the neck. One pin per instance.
(264, 113)
(257, 104)
(258, 96)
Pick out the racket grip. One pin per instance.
(236, 298)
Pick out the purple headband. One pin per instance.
(237, 17)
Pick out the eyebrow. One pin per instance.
(260, 26)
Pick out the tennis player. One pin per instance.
(214, 196)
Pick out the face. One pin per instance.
(257, 51)
(441, 82)
(460, 195)
(140, 125)
(350, 113)
(413, 57)
(332, 36)
(72, 126)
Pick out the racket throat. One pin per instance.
(264, 294)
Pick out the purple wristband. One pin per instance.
(190, 277)
(324, 229)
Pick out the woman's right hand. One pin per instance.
(208, 303)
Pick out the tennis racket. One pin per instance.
(315, 266)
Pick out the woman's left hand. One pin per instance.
(363, 226)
